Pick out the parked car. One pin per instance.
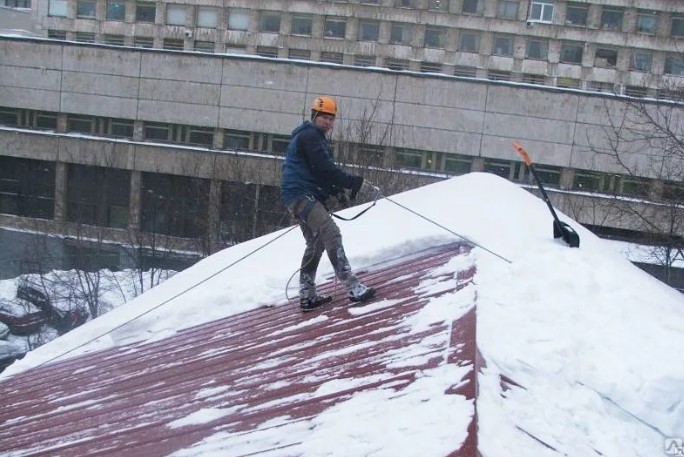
(4, 331)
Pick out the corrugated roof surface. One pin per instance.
(252, 367)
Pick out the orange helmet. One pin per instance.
(325, 105)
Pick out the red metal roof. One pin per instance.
(260, 365)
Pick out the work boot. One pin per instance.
(361, 293)
(307, 304)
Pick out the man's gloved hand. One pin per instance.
(342, 199)
(356, 186)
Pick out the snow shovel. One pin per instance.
(560, 229)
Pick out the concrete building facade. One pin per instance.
(153, 101)
(621, 46)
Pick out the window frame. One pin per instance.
(270, 21)
(331, 27)
(399, 32)
(363, 30)
(505, 51)
(543, 46)
(437, 36)
(145, 12)
(567, 46)
(476, 36)
(583, 7)
(541, 11)
(298, 20)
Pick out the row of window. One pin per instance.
(170, 205)
(536, 48)
(345, 152)
(576, 14)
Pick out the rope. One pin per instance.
(379, 194)
(167, 300)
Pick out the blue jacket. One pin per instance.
(309, 169)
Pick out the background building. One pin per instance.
(148, 120)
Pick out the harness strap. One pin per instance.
(306, 209)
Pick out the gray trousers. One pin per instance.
(321, 234)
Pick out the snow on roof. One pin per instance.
(579, 347)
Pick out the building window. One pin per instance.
(468, 72)
(335, 27)
(301, 24)
(611, 19)
(641, 61)
(499, 75)
(369, 30)
(401, 33)
(57, 8)
(238, 19)
(605, 58)
(205, 46)
(508, 9)
(646, 22)
(27, 187)
(57, 34)
(207, 17)
(502, 46)
(269, 22)
(300, 54)
(636, 91)
(469, 42)
(45, 120)
(409, 158)
(85, 9)
(431, 67)
(677, 26)
(174, 205)
(173, 44)
(435, 37)
(236, 139)
(267, 51)
(458, 165)
(547, 174)
(570, 83)
(397, 64)
(145, 12)
(115, 40)
(576, 14)
(364, 61)
(98, 196)
(571, 53)
(438, 5)
(537, 49)
(600, 86)
(175, 14)
(541, 11)
(332, 57)
(85, 37)
(404, 3)
(588, 180)
(499, 168)
(531, 78)
(116, 10)
(674, 65)
(143, 42)
(472, 7)
(279, 144)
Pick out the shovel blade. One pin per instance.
(567, 233)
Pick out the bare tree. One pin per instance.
(645, 139)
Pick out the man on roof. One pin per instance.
(309, 178)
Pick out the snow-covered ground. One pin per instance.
(595, 342)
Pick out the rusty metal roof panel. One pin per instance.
(259, 381)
